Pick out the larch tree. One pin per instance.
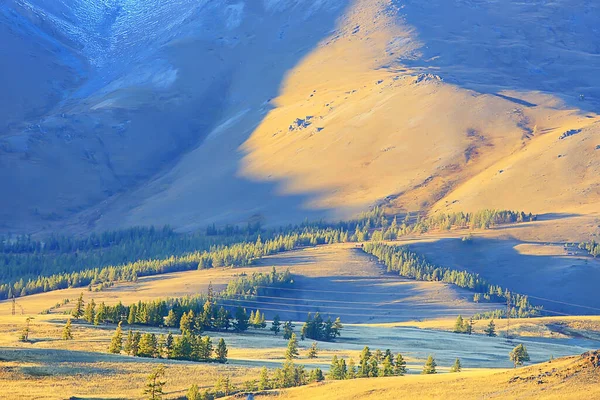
(67, 331)
(78, 309)
(519, 355)
(155, 384)
(116, 342)
(313, 351)
(490, 330)
(276, 325)
(292, 348)
(429, 367)
(457, 367)
(221, 351)
(400, 365)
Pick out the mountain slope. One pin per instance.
(565, 378)
(190, 113)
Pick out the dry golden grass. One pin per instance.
(569, 378)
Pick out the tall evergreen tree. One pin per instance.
(459, 325)
(276, 325)
(221, 351)
(148, 345)
(429, 367)
(316, 375)
(264, 382)
(128, 343)
(116, 342)
(457, 367)
(292, 348)
(135, 343)
(186, 322)
(351, 374)
(400, 365)
(155, 384)
(387, 367)
(78, 309)
(67, 331)
(364, 368)
(132, 316)
(90, 312)
(490, 330)
(312, 352)
(241, 320)
(171, 320)
(288, 330)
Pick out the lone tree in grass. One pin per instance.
(429, 367)
(78, 310)
(67, 331)
(154, 384)
(490, 330)
(457, 367)
(221, 351)
(276, 325)
(116, 343)
(519, 355)
(312, 352)
(24, 336)
(292, 348)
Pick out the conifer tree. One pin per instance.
(276, 325)
(373, 367)
(387, 367)
(292, 348)
(400, 366)
(101, 314)
(312, 352)
(519, 355)
(148, 345)
(67, 331)
(459, 325)
(241, 320)
(135, 343)
(78, 309)
(169, 345)
(457, 367)
(131, 317)
(223, 385)
(221, 351)
(351, 374)
(288, 330)
(193, 393)
(364, 368)
(155, 384)
(186, 322)
(116, 343)
(264, 383)
(490, 330)
(90, 312)
(338, 369)
(316, 375)
(171, 320)
(429, 367)
(128, 347)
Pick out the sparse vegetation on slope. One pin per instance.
(411, 265)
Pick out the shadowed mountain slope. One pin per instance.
(188, 113)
